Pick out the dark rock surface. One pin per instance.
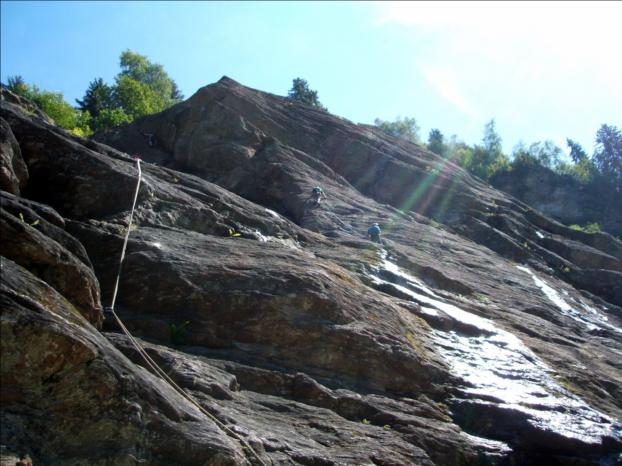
(561, 197)
(479, 332)
(13, 171)
(69, 397)
(49, 253)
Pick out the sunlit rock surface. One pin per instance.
(479, 332)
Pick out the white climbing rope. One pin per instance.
(150, 362)
(127, 236)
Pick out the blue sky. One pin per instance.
(543, 70)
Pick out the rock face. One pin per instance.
(478, 332)
(561, 197)
(13, 171)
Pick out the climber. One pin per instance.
(317, 193)
(374, 233)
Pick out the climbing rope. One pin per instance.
(150, 362)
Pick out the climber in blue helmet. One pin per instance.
(317, 193)
(374, 233)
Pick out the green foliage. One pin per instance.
(404, 128)
(501, 163)
(176, 93)
(584, 171)
(436, 142)
(179, 332)
(139, 68)
(600, 175)
(300, 92)
(109, 118)
(17, 85)
(485, 164)
(137, 99)
(577, 154)
(33, 224)
(98, 97)
(54, 105)
(233, 233)
(459, 153)
(365, 421)
(608, 155)
(546, 153)
(588, 228)
(486, 159)
(492, 140)
(141, 88)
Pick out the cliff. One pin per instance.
(562, 197)
(478, 332)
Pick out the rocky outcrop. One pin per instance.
(13, 171)
(51, 254)
(293, 148)
(68, 396)
(476, 333)
(561, 196)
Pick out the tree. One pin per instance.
(608, 155)
(98, 97)
(492, 140)
(522, 156)
(139, 68)
(459, 152)
(137, 99)
(109, 118)
(300, 92)
(546, 153)
(54, 105)
(543, 153)
(577, 154)
(488, 157)
(582, 167)
(17, 85)
(404, 128)
(142, 87)
(436, 142)
(176, 93)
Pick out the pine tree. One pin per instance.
(608, 154)
(436, 142)
(577, 154)
(300, 92)
(98, 97)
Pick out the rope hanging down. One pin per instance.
(150, 362)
